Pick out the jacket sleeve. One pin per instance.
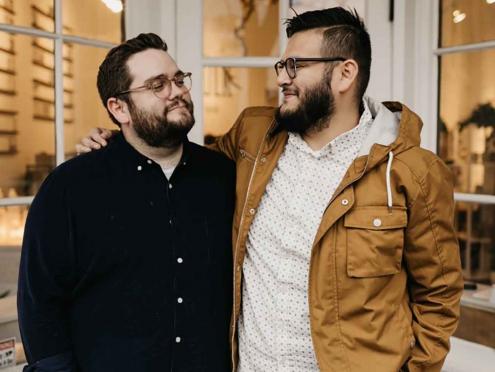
(228, 143)
(434, 269)
(46, 277)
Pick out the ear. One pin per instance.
(345, 75)
(119, 110)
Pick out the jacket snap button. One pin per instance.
(377, 222)
(345, 201)
(251, 211)
(413, 343)
(263, 159)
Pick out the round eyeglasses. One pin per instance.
(162, 86)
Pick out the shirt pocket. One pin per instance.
(375, 240)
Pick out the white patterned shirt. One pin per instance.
(274, 326)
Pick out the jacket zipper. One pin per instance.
(234, 320)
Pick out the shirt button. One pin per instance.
(345, 201)
(252, 211)
(180, 300)
(139, 168)
(149, 161)
(377, 222)
(177, 340)
(170, 222)
(170, 186)
(180, 260)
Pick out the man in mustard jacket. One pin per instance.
(345, 254)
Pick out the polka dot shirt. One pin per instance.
(274, 327)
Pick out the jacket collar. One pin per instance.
(394, 126)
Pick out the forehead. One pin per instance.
(150, 63)
(304, 44)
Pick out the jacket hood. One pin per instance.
(394, 126)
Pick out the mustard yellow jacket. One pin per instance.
(385, 276)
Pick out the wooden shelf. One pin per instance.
(8, 132)
(6, 71)
(8, 112)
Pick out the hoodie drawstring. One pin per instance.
(389, 187)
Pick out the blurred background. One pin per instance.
(436, 56)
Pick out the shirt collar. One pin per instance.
(341, 142)
(134, 161)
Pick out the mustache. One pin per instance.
(177, 103)
(290, 90)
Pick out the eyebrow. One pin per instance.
(153, 78)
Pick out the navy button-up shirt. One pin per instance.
(124, 270)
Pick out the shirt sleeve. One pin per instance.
(46, 275)
(57, 363)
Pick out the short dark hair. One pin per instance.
(114, 76)
(345, 36)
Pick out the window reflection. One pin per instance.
(227, 91)
(475, 225)
(83, 109)
(28, 13)
(27, 145)
(12, 221)
(94, 20)
(466, 21)
(240, 28)
(467, 119)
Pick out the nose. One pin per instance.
(175, 91)
(283, 78)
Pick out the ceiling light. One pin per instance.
(114, 5)
(490, 1)
(458, 16)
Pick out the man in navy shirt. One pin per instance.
(126, 260)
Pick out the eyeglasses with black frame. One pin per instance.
(162, 86)
(291, 64)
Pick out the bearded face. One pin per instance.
(157, 130)
(315, 108)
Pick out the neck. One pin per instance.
(165, 156)
(341, 121)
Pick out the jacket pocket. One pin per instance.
(375, 240)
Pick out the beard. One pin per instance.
(156, 130)
(316, 107)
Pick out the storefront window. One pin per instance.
(466, 130)
(82, 105)
(466, 22)
(227, 91)
(29, 99)
(240, 28)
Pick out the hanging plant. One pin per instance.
(482, 116)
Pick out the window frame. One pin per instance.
(416, 70)
(59, 38)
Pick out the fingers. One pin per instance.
(96, 139)
(99, 135)
(81, 149)
(90, 143)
